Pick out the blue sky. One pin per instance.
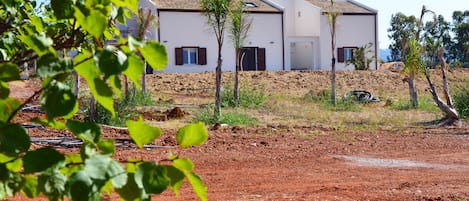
(410, 7)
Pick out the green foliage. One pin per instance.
(83, 26)
(425, 103)
(323, 98)
(360, 59)
(461, 102)
(230, 118)
(125, 108)
(248, 97)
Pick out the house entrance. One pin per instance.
(253, 59)
(301, 55)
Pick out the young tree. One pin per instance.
(402, 29)
(332, 16)
(239, 31)
(145, 20)
(217, 13)
(86, 175)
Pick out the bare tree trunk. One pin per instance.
(144, 80)
(77, 83)
(93, 112)
(236, 79)
(447, 108)
(333, 82)
(217, 112)
(414, 98)
(126, 86)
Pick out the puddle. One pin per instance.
(391, 163)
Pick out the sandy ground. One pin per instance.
(277, 162)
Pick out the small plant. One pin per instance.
(461, 102)
(248, 97)
(124, 109)
(230, 118)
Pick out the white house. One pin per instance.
(307, 32)
(284, 35)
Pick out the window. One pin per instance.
(191, 56)
(345, 54)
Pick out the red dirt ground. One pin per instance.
(276, 163)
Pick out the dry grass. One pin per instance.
(285, 91)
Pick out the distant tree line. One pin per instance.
(454, 36)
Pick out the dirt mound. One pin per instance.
(156, 115)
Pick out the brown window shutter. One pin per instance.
(202, 56)
(340, 55)
(261, 59)
(178, 55)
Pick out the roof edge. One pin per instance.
(363, 6)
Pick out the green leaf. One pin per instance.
(87, 131)
(115, 83)
(16, 165)
(4, 158)
(135, 70)
(41, 44)
(142, 133)
(134, 43)
(98, 87)
(111, 61)
(31, 186)
(152, 178)
(4, 90)
(176, 177)
(41, 159)
(155, 54)
(7, 106)
(52, 184)
(10, 182)
(94, 23)
(80, 187)
(103, 168)
(74, 164)
(14, 139)
(63, 9)
(107, 147)
(130, 4)
(9, 72)
(191, 135)
(131, 191)
(59, 101)
(50, 65)
(88, 150)
(187, 167)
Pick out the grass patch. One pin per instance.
(425, 104)
(324, 98)
(125, 109)
(248, 97)
(461, 102)
(230, 118)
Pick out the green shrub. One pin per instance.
(230, 118)
(425, 103)
(124, 109)
(323, 97)
(248, 97)
(461, 102)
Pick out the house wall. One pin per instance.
(352, 31)
(179, 29)
(306, 19)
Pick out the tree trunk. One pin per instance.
(144, 80)
(447, 108)
(93, 112)
(333, 82)
(217, 112)
(414, 98)
(126, 86)
(76, 84)
(236, 78)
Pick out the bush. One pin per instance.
(248, 97)
(124, 109)
(324, 98)
(231, 118)
(461, 102)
